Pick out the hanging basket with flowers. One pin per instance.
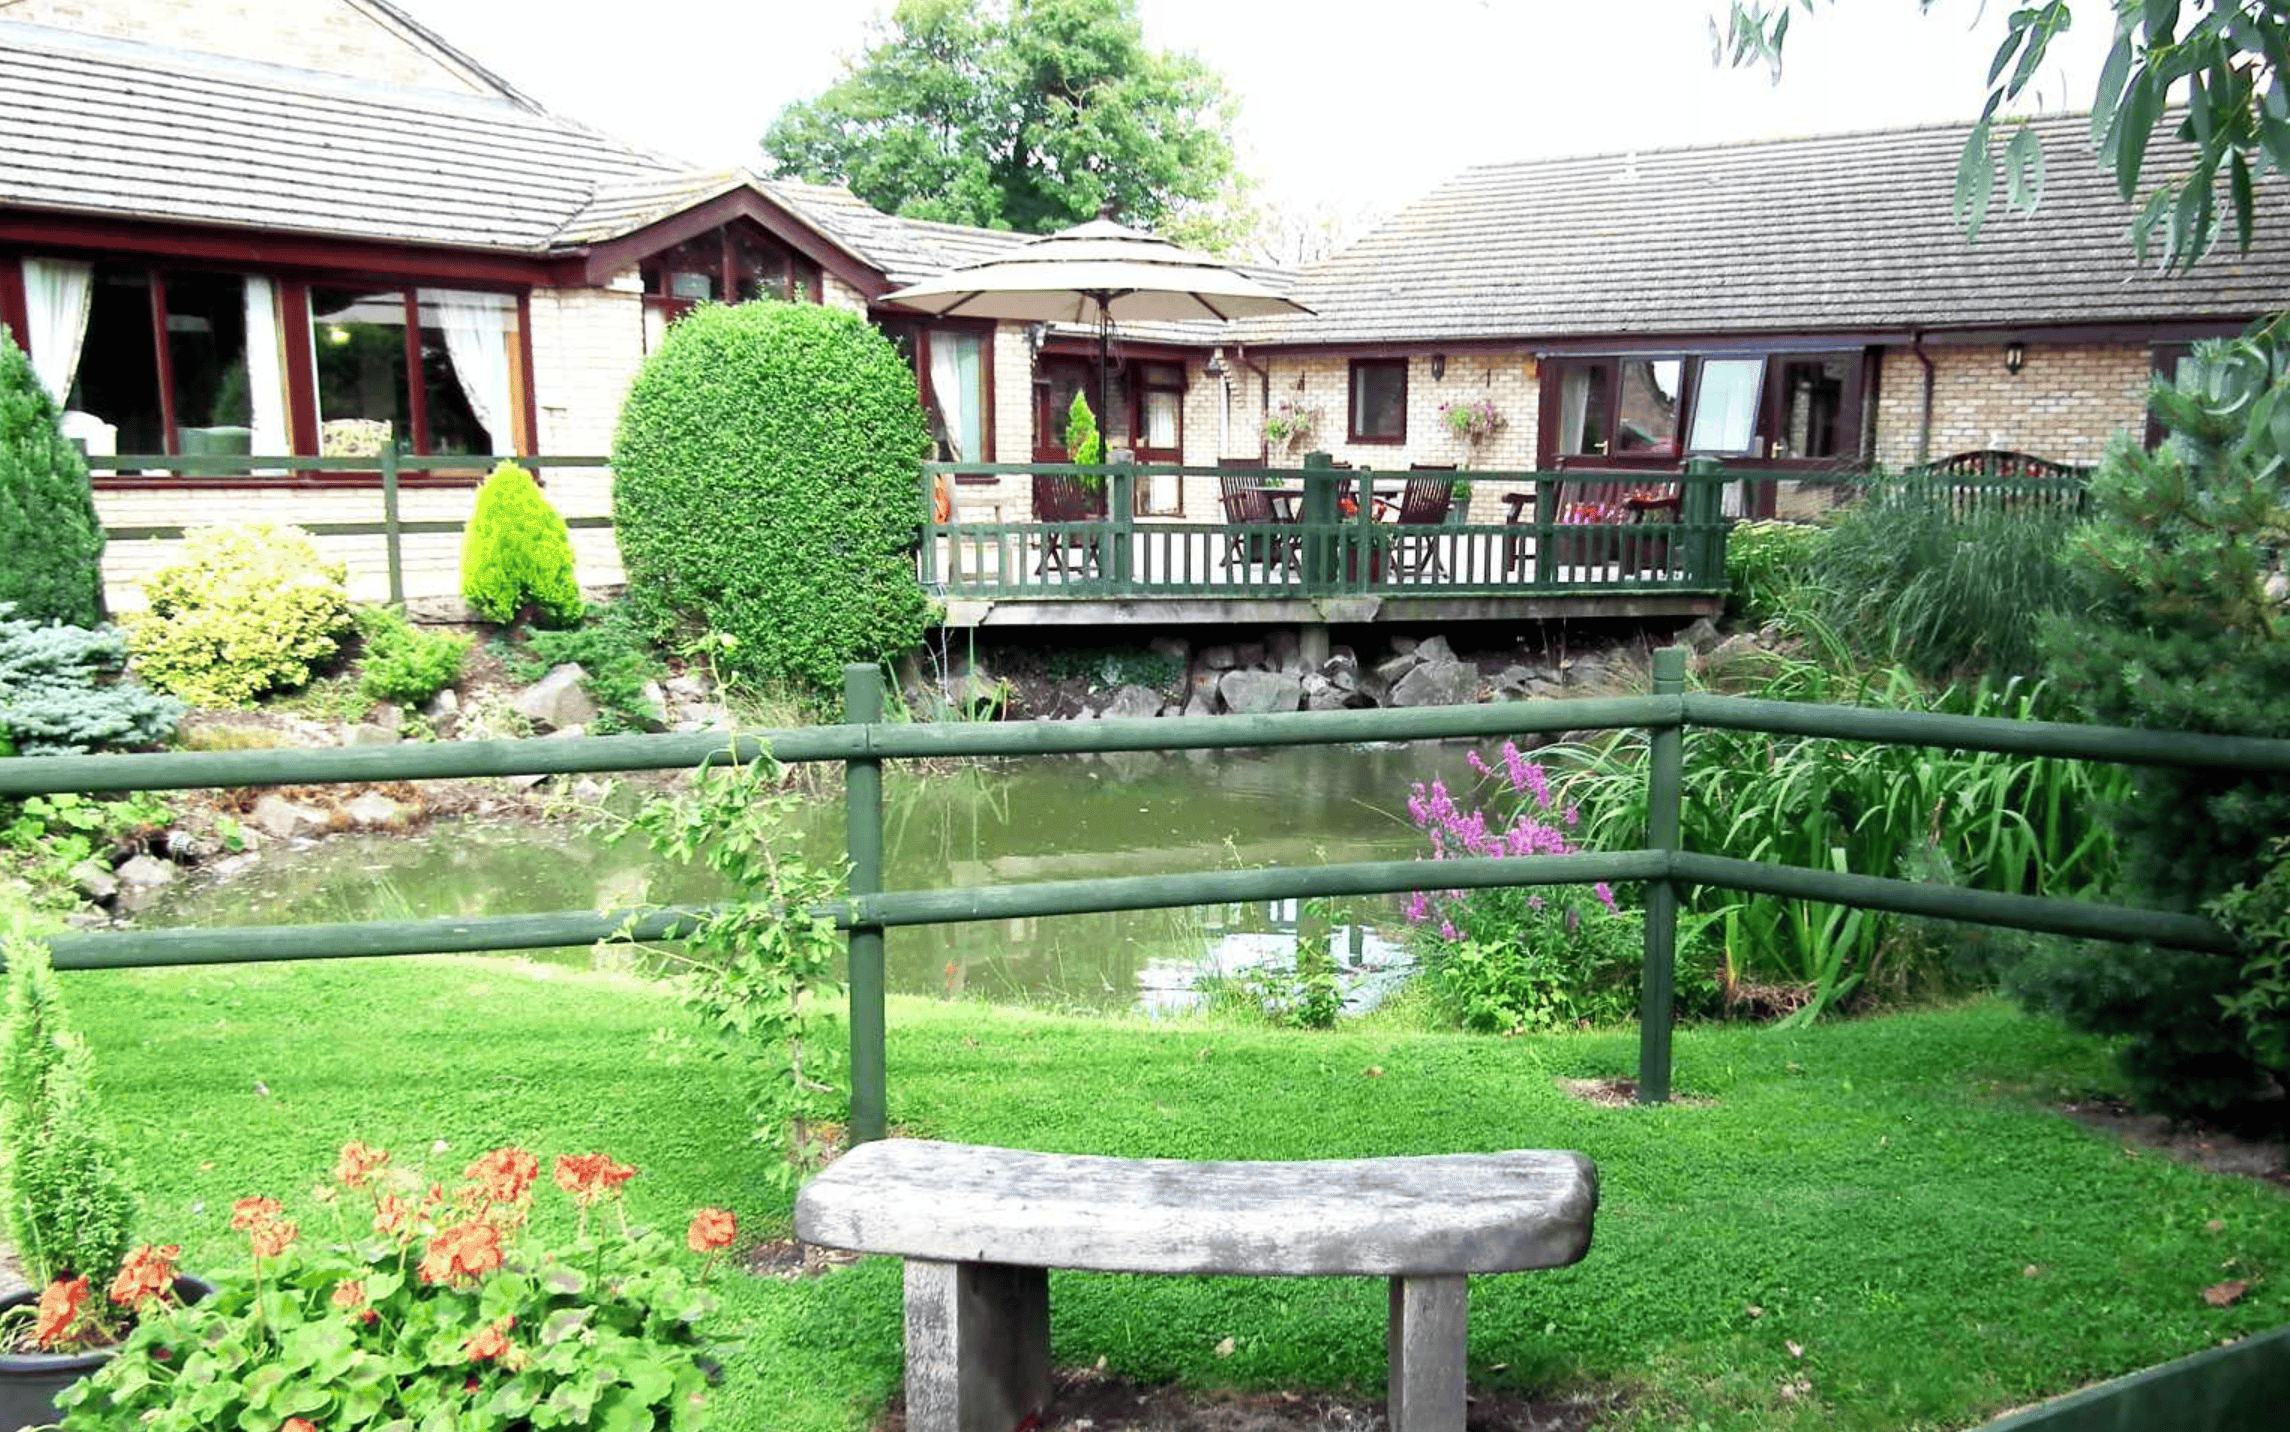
(1472, 421)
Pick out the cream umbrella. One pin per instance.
(1098, 273)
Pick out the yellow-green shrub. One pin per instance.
(517, 553)
(249, 609)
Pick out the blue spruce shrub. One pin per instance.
(62, 694)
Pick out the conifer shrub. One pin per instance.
(62, 692)
(2181, 633)
(51, 543)
(248, 610)
(1083, 444)
(766, 487)
(516, 557)
(402, 663)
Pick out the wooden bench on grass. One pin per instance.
(980, 1228)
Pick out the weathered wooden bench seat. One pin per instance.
(980, 1227)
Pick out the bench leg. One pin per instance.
(1425, 1338)
(977, 1346)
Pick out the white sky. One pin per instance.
(1345, 104)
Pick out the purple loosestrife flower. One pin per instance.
(1605, 894)
(1418, 908)
(1447, 930)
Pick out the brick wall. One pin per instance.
(837, 294)
(2065, 403)
(335, 36)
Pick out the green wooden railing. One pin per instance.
(288, 474)
(1327, 550)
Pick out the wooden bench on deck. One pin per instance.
(980, 1227)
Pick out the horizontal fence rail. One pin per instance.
(292, 473)
(1320, 530)
(863, 744)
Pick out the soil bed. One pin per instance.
(1086, 1400)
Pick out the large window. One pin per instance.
(1379, 400)
(733, 264)
(1656, 411)
(418, 370)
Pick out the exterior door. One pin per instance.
(1056, 380)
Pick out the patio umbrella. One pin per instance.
(1098, 273)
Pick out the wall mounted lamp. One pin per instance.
(2015, 357)
(1036, 335)
(1438, 366)
(1215, 367)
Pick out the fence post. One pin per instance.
(863, 803)
(930, 527)
(1320, 564)
(390, 524)
(1665, 785)
(1123, 511)
(1701, 510)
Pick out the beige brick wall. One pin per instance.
(837, 294)
(335, 36)
(587, 345)
(2065, 403)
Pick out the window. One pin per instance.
(1656, 411)
(1159, 423)
(1379, 400)
(736, 263)
(954, 392)
(418, 370)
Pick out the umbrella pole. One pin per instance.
(1104, 378)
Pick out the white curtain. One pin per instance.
(1573, 408)
(476, 327)
(266, 387)
(57, 293)
(957, 364)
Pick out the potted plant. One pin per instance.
(1471, 421)
(70, 1209)
(429, 1302)
(1291, 424)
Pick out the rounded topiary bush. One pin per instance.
(517, 554)
(50, 540)
(765, 487)
(249, 609)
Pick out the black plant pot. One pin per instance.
(29, 1381)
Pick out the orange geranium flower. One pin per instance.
(148, 1273)
(349, 1293)
(247, 1212)
(712, 1228)
(504, 1175)
(59, 1308)
(393, 1215)
(464, 1250)
(296, 1424)
(589, 1177)
(359, 1163)
(271, 1237)
(489, 1341)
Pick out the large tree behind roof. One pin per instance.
(2226, 61)
(1030, 116)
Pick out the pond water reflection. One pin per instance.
(1007, 823)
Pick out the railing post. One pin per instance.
(863, 804)
(1366, 566)
(1320, 564)
(390, 533)
(1665, 785)
(1707, 542)
(1124, 515)
(930, 529)
(1546, 539)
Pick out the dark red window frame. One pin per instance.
(800, 279)
(1850, 420)
(1146, 375)
(1352, 400)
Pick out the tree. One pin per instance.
(2231, 56)
(51, 544)
(1030, 117)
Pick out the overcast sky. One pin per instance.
(1343, 102)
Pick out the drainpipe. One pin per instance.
(1264, 396)
(1923, 432)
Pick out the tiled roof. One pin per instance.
(1839, 232)
(113, 127)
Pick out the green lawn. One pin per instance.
(1890, 1195)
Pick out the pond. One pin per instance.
(1014, 822)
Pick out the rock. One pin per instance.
(86, 920)
(1542, 688)
(1434, 648)
(1254, 693)
(1219, 658)
(231, 866)
(276, 815)
(567, 733)
(526, 781)
(1284, 650)
(1328, 698)
(2277, 588)
(1316, 685)
(1584, 672)
(1197, 705)
(449, 610)
(1437, 683)
(1248, 655)
(140, 880)
(373, 811)
(1203, 684)
(93, 879)
(1514, 681)
(556, 700)
(1341, 671)
(1342, 653)
(655, 700)
(389, 716)
(1132, 703)
(588, 790)
(686, 687)
(444, 703)
(1701, 635)
(1173, 648)
(1404, 645)
(1393, 668)
(366, 733)
(702, 716)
